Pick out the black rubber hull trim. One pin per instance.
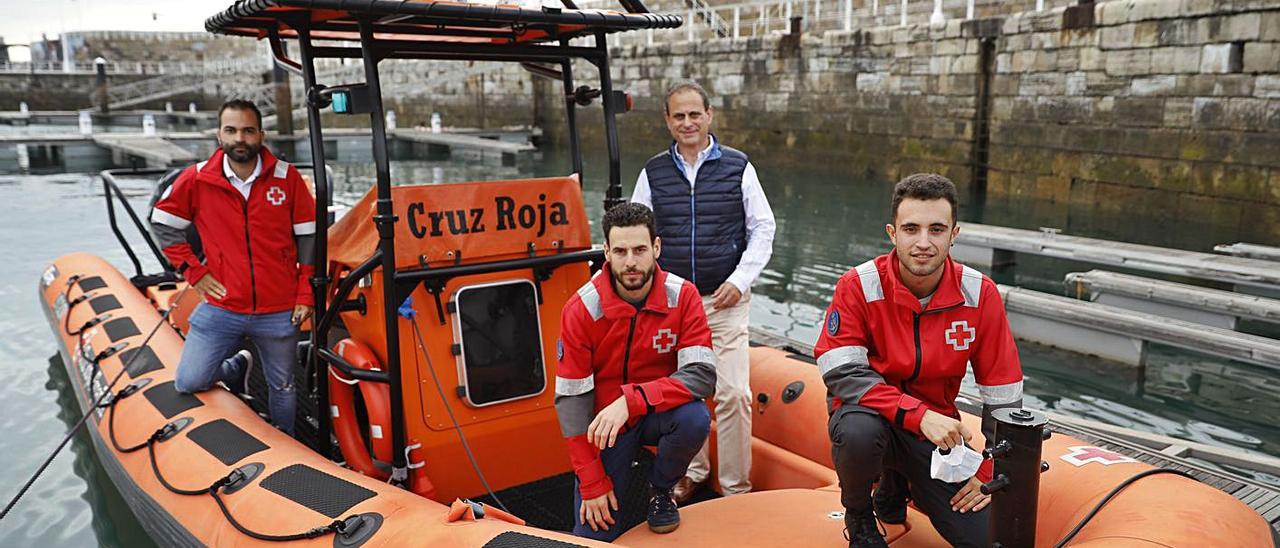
(316, 490)
(512, 539)
(91, 283)
(226, 441)
(144, 364)
(120, 328)
(105, 303)
(169, 402)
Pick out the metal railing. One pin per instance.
(114, 67)
(708, 19)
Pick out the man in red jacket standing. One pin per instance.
(256, 221)
(898, 335)
(635, 361)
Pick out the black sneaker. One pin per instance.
(863, 531)
(663, 515)
(243, 361)
(890, 500)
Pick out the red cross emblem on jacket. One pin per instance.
(275, 195)
(664, 341)
(960, 335)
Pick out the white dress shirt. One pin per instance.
(759, 217)
(245, 185)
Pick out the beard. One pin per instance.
(644, 278)
(241, 152)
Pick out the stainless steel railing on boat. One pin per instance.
(111, 190)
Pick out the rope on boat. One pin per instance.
(1112, 494)
(167, 431)
(337, 527)
(407, 311)
(94, 405)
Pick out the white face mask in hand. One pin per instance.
(957, 465)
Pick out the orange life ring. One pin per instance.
(377, 402)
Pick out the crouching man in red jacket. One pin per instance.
(898, 335)
(635, 362)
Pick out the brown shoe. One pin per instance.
(684, 489)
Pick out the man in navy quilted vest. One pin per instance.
(717, 232)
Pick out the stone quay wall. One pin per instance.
(57, 91)
(164, 47)
(1152, 106)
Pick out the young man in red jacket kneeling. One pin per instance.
(898, 335)
(635, 362)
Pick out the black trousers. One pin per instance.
(864, 445)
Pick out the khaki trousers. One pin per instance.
(732, 399)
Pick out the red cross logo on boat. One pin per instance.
(1081, 455)
(275, 195)
(960, 335)
(664, 341)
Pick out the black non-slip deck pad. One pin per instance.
(120, 328)
(104, 303)
(316, 490)
(226, 441)
(512, 539)
(169, 402)
(146, 361)
(91, 283)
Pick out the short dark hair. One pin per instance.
(629, 214)
(686, 85)
(925, 186)
(240, 104)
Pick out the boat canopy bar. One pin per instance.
(377, 30)
(425, 21)
(1191, 303)
(995, 245)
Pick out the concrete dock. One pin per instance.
(165, 148)
(1217, 308)
(997, 246)
(1122, 335)
(1252, 251)
(154, 150)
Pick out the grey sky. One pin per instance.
(24, 20)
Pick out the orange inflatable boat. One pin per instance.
(191, 442)
(425, 415)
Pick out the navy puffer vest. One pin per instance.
(704, 232)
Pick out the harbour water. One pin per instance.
(829, 219)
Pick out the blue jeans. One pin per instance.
(679, 433)
(214, 335)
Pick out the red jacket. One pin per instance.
(881, 350)
(658, 357)
(248, 244)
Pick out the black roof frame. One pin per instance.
(374, 17)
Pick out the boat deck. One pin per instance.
(1264, 499)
